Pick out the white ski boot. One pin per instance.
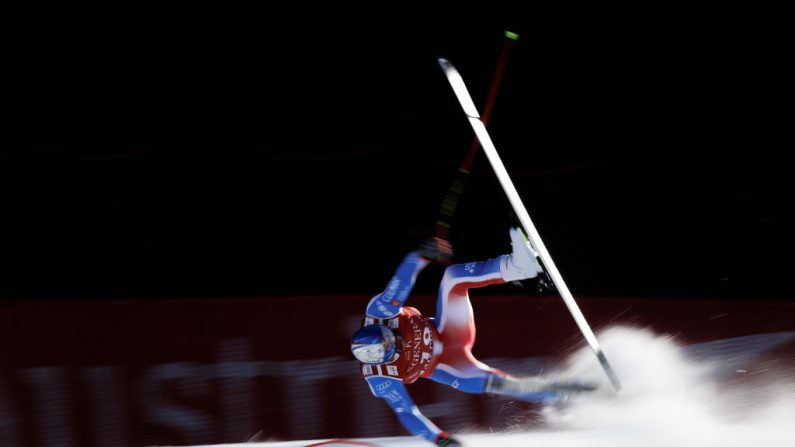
(522, 263)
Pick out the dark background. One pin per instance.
(227, 150)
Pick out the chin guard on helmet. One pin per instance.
(374, 344)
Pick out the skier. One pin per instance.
(397, 345)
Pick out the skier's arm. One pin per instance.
(387, 304)
(395, 394)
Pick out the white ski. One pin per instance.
(516, 202)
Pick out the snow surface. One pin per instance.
(723, 394)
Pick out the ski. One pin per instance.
(460, 90)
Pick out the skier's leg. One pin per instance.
(535, 389)
(453, 306)
(454, 318)
(459, 369)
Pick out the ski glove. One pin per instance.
(437, 250)
(445, 440)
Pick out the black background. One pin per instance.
(222, 150)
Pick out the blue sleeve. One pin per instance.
(387, 304)
(395, 394)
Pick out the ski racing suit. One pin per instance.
(437, 348)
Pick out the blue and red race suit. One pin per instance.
(438, 348)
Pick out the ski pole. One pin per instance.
(453, 195)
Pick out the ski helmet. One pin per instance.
(374, 343)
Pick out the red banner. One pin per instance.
(191, 371)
